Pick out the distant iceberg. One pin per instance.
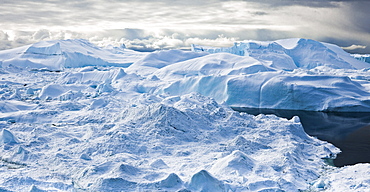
(362, 57)
(305, 53)
(60, 54)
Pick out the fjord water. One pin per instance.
(348, 131)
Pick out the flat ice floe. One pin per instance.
(76, 117)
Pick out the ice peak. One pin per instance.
(7, 137)
(45, 48)
(203, 181)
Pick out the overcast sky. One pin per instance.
(167, 24)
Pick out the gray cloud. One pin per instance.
(149, 25)
(305, 3)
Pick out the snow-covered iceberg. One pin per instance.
(362, 57)
(291, 53)
(295, 74)
(228, 78)
(60, 54)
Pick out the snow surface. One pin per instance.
(76, 117)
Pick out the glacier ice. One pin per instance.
(118, 143)
(78, 117)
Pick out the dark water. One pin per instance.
(350, 132)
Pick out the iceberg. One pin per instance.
(362, 57)
(60, 54)
(272, 75)
(304, 53)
